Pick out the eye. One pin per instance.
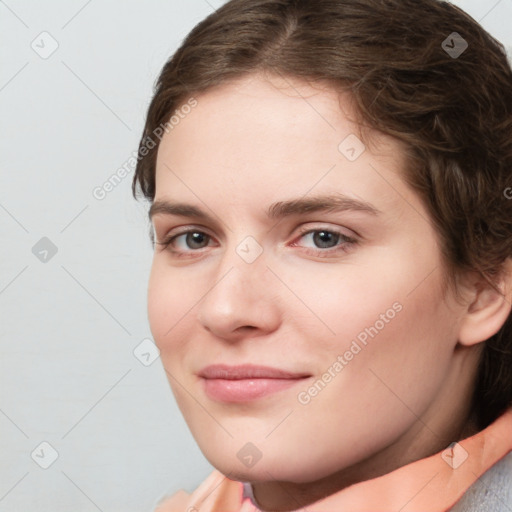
(191, 239)
(326, 241)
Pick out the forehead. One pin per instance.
(260, 107)
(262, 139)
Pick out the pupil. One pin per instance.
(193, 238)
(320, 236)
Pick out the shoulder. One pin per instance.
(215, 493)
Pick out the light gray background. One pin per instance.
(69, 326)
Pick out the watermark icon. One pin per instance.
(146, 352)
(249, 249)
(351, 147)
(147, 144)
(44, 455)
(45, 45)
(44, 250)
(454, 45)
(508, 193)
(455, 455)
(357, 345)
(249, 454)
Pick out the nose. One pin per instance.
(241, 299)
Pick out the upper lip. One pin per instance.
(247, 371)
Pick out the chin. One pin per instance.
(275, 467)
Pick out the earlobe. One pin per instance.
(488, 309)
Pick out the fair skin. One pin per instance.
(300, 304)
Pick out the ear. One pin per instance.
(488, 308)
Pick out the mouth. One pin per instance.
(246, 382)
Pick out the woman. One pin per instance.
(332, 281)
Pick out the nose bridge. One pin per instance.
(237, 294)
(242, 269)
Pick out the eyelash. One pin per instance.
(347, 242)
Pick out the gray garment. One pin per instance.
(492, 492)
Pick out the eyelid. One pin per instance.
(186, 229)
(324, 226)
(301, 230)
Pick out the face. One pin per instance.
(347, 300)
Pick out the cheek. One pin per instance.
(395, 350)
(342, 301)
(386, 321)
(169, 301)
(390, 295)
(390, 381)
(160, 306)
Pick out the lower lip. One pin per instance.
(242, 390)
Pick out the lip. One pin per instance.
(247, 371)
(246, 382)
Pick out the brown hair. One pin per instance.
(411, 78)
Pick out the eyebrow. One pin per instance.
(278, 210)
